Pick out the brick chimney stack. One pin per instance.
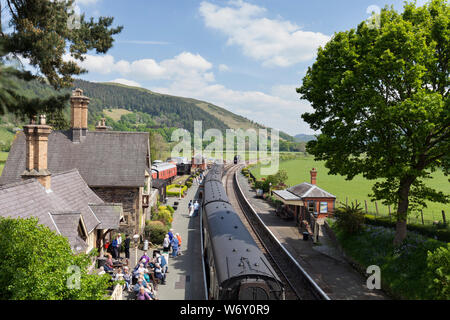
(101, 125)
(36, 151)
(79, 115)
(313, 173)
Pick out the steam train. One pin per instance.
(235, 268)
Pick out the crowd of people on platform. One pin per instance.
(145, 277)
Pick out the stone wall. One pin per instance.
(130, 199)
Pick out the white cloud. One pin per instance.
(273, 42)
(190, 75)
(126, 82)
(223, 68)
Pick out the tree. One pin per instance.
(38, 264)
(158, 146)
(41, 31)
(380, 100)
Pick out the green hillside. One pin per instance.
(136, 109)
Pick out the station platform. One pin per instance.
(324, 263)
(185, 278)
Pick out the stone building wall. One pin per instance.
(131, 201)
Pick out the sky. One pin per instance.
(246, 56)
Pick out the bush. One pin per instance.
(156, 231)
(171, 209)
(350, 219)
(438, 263)
(188, 184)
(164, 215)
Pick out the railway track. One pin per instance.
(299, 285)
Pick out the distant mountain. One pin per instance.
(304, 137)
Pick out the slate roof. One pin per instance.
(67, 225)
(103, 158)
(61, 208)
(286, 195)
(109, 215)
(307, 190)
(73, 190)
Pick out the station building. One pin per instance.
(61, 201)
(306, 202)
(115, 165)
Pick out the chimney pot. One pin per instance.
(37, 152)
(313, 173)
(79, 115)
(42, 119)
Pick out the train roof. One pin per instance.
(235, 252)
(163, 166)
(215, 173)
(214, 191)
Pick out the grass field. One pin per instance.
(6, 136)
(3, 157)
(356, 189)
(115, 114)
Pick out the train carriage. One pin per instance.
(164, 171)
(235, 267)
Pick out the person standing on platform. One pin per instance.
(126, 245)
(114, 248)
(196, 206)
(166, 243)
(189, 206)
(177, 235)
(119, 245)
(174, 244)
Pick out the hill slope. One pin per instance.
(304, 137)
(159, 110)
(165, 110)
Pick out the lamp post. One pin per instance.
(136, 239)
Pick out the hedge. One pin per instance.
(442, 234)
(175, 193)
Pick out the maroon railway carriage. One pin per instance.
(164, 171)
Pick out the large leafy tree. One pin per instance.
(44, 32)
(38, 264)
(380, 96)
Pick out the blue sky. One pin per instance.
(247, 56)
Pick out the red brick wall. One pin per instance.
(330, 201)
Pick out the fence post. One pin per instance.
(365, 202)
(443, 217)
(376, 207)
(389, 208)
(421, 213)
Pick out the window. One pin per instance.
(311, 206)
(324, 207)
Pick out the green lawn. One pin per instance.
(3, 157)
(356, 189)
(6, 136)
